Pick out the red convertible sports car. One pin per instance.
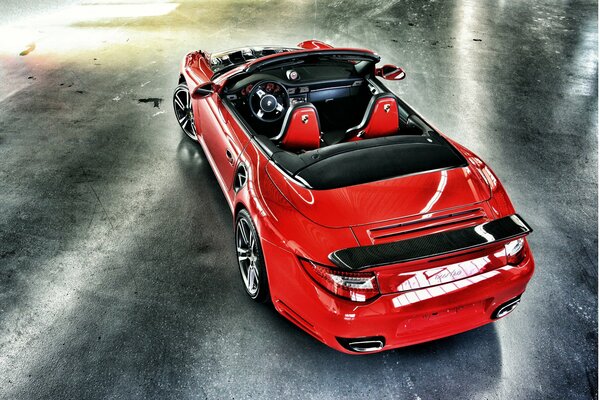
(362, 223)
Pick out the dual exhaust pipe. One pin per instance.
(363, 345)
(506, 308)
(376, 343)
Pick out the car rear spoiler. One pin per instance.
(499, 230)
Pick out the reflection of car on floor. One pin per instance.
(364, 225)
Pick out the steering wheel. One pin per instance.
(268, 100)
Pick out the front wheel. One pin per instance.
(250, 258)
(182, 104)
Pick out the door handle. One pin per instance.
(229, 156)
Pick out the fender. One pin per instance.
(279, 223)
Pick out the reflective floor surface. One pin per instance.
(117, 270)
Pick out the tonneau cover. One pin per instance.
(370, 160)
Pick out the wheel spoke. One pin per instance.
(279, 107)
(184, 124)
(251, 277)
(187, 100)
(260, 113)
(251, 244)
(182, 119)
(243, 232)
(260, 93)
(179, 103)
(181, 99)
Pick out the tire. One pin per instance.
(182, 104)
(250, 258)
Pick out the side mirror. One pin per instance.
(206, 89)
(390, 72)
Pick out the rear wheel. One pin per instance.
(182, 104)
(250, 258)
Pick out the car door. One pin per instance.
(217, 136)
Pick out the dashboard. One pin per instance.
(303, 83)
(339, 91)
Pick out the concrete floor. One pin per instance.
(117, 269)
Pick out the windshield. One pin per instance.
(231, 58)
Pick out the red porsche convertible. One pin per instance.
(364, 225)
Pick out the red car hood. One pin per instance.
(373, 202)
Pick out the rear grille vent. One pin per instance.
(428, 225)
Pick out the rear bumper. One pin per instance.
(404, 318)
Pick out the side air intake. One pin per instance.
(241, 177)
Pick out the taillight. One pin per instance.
(515, 251)
(356, 286)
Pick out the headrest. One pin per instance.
(380, 119)
(301, 129)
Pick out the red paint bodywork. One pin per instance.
(421, 300)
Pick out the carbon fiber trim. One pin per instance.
(357, 258)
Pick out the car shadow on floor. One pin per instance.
(427, 370)
(200, 177)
